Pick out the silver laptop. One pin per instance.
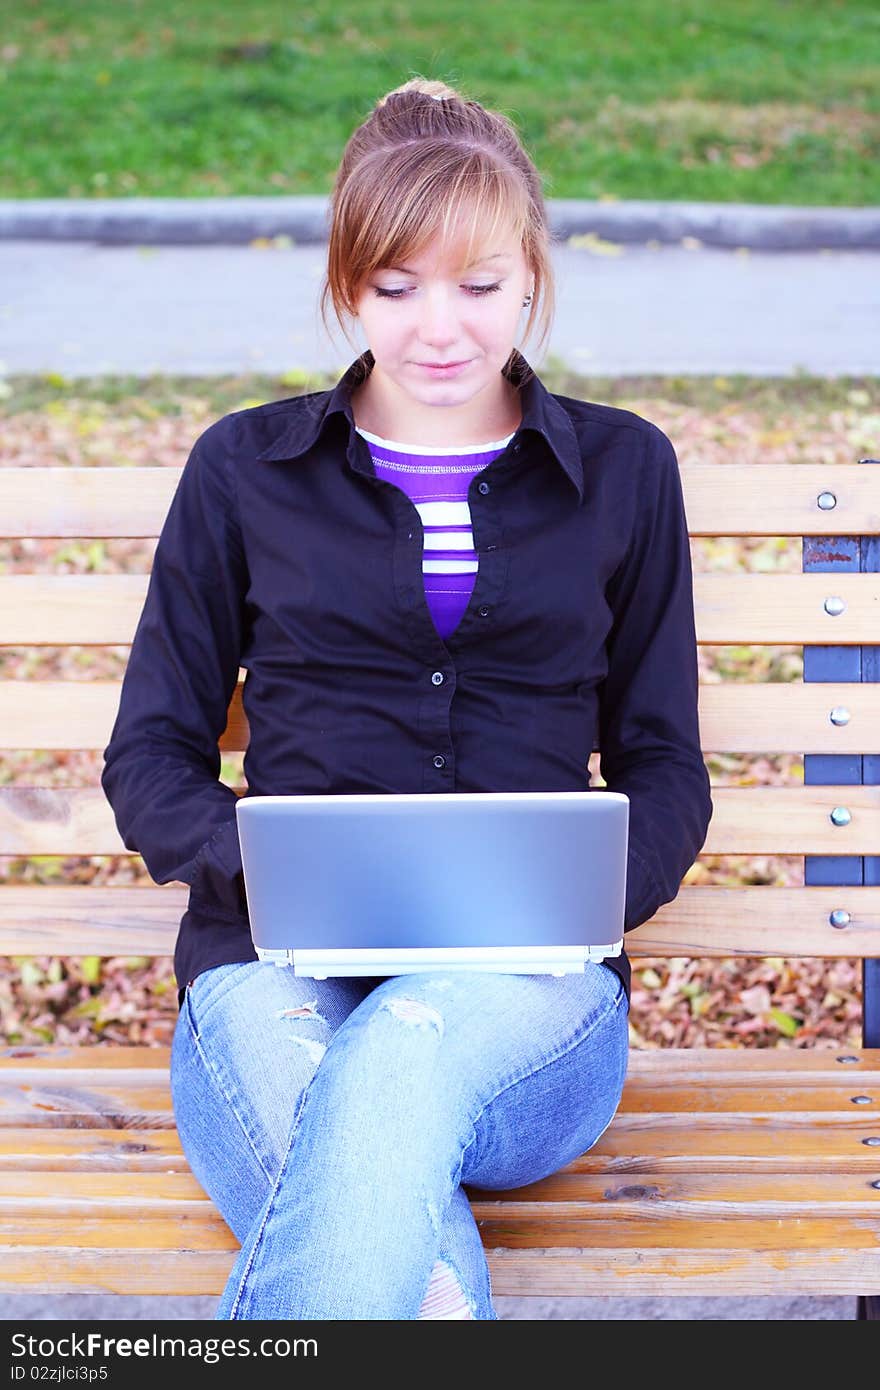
(388, 884)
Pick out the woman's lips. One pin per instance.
(447, 369)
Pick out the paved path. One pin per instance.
(84, 309)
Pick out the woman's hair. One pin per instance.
(427, 159)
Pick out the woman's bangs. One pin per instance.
(473, 231)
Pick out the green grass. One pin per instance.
(167, 395)
(733, 100)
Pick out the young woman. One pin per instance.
(439, 577)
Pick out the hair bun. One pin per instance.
(417, 87)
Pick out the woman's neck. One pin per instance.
(502, 418)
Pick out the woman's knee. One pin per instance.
(247, 1043)
(556, 1110)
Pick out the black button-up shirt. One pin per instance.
(283, 553)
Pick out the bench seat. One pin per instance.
(743, 1171)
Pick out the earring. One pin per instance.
(527, 301)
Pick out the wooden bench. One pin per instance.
(727, 1171)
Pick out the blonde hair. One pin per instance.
(425, 159)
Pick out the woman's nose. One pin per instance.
(438, 319)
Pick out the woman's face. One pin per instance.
(424, 313)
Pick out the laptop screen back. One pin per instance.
(397, 871)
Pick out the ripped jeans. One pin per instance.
(333, 1122)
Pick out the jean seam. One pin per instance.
(561, 1052)
(215, 1080)
(220, 991)
(455, 1183)
(269, 1205)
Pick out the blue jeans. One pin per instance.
(333, 1122)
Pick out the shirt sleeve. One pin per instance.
(649, 738)
(162, 764)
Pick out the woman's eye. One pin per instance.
(471, 289)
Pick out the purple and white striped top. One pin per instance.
(436, 480)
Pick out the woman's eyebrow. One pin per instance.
(496, 256)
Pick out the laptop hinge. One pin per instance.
(510, 960)
(603, 952)
(277, 957)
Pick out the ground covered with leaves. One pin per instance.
(676, 1001)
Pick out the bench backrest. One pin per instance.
(824, 596)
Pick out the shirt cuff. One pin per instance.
(217, 885)
(643, 896)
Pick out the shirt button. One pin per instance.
(483, 611)
(484, 488)
(438, 678)
(439, 760)
(516, 448)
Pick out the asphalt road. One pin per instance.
(82, 308)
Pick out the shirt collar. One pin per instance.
(542, 414)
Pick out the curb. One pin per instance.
(238, 221)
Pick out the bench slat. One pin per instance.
(88, 1229)
(27, 1060)
(96, 1106)
(701, 921)
(52, 1270)
(29, 1150)
(85, 502)
(635, 1272)
(841, 1242)
(796, 1101)
(787, 716)
(721, 500)
(746, 820)
(563, 1196)
(632, 1144)
(126, 1100)
(773, 1227)
(631, 1272)
(647, 1066)
(103, 610)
